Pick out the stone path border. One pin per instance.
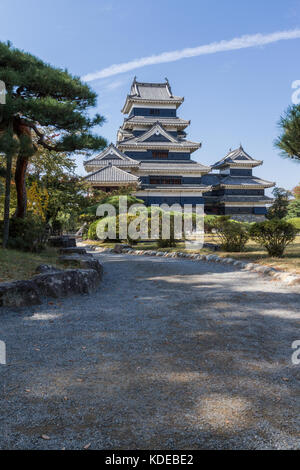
(83, 277)
(271, 273)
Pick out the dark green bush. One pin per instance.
(274, 235)
(90, 213)
(29, 234)
(209, 223)
(168, 243)
(233, 235)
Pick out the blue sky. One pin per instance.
(230, 97)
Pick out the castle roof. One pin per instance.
(111, 155)
(157, 137)
(111, 174)
(151, 93)
(237, 157)
(180, 166)
(245, 198)
(229, 181)
(147, 121)
(245, 181)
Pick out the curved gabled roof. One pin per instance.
(237, 157)
(177, 166)
(245, 181)
(111, 174)
(142, 92)
(110, 155)
(162, 138)
(147, 121)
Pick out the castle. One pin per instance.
(153, 155)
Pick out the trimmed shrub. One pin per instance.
(90, 213)
(274, 235)
(296, 222)
(209, 223)
(103, 227)
(233, 235)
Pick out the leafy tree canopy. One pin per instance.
(39, 95)
(294, 209)
(296, 192)
(279, 208)
(289, 140)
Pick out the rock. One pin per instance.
(119, 247)
(73, 250)
(238, 264)
(19, 294)
(262, 269)
(46, 268)
(54, 284)
(249, 266)
(295, 281)
(64, 283)
(243, 265)
(81, 262)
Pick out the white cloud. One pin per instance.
(242, 42)
(114, 85)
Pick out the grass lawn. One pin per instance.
(254, 253)
(17, 265)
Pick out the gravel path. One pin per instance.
(168, 354)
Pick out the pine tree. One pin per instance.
(39, 95)
(289, 140)
(279, 208)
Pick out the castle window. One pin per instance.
(159, 154)
(154, 112)
(165, 180)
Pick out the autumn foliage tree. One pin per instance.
(39, 95)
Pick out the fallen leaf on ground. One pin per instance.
(45, 437)
(87, 446)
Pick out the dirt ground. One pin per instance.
(167, 354)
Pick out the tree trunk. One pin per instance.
(27, 149)
(7, 200)
(20, 180)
